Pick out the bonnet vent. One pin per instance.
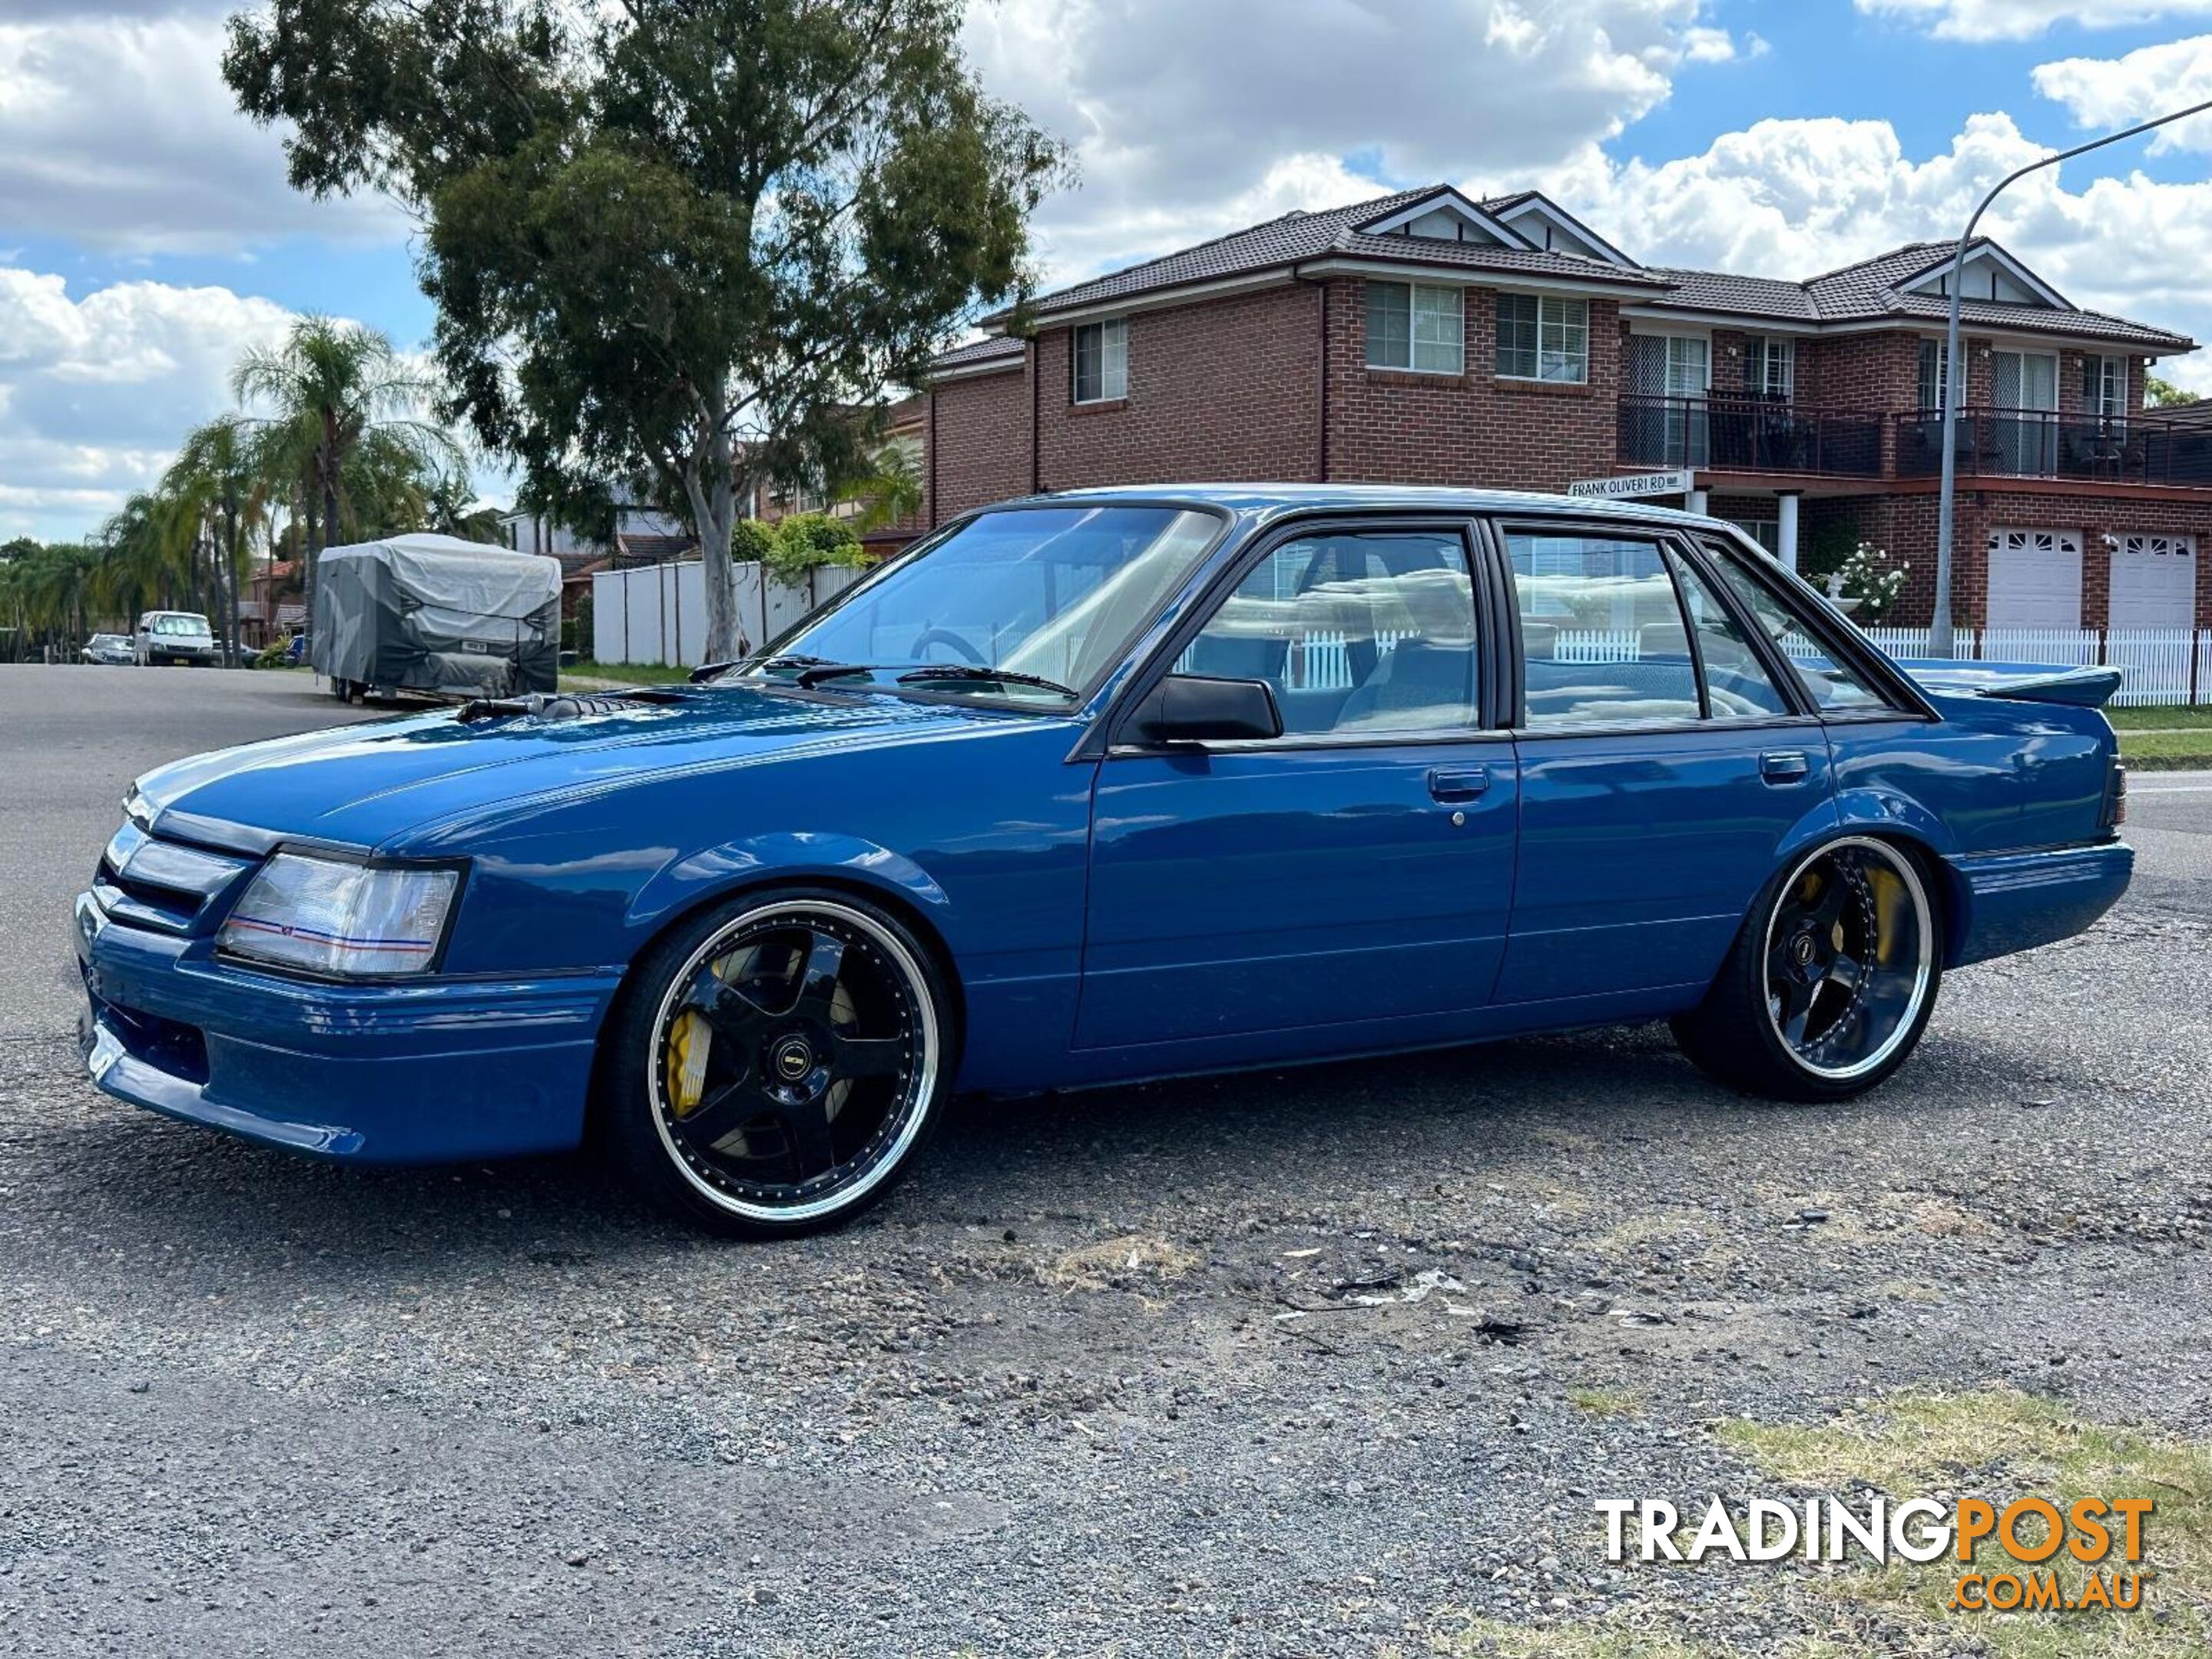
(564, 706)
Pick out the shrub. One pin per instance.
(807, 541)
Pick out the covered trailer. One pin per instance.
(436, 614)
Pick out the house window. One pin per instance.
(1931, 375)
(1543, 338)
(1102, 361)
(1771, 368)
(2104, 387)
(1414, 325)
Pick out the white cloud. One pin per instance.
(1190, 120)
(1793, 199)
(117, 132)
(2104, 94)
(97, 392)
(1712, 46)
(2023, 20)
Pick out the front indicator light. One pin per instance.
(353, 921)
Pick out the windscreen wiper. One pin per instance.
(976, 671)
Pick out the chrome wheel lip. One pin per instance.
(1923, 973)
(925, 1081)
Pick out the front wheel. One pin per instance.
(776, 1064)
(1830, 984)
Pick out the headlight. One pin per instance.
(331, 917)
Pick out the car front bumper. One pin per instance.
(385, 1074)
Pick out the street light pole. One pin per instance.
(1939, 630)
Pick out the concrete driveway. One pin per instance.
(1299, 1363)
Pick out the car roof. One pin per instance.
(1264, 500)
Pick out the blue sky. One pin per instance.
(147, 236)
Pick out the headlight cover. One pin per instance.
(350, 921)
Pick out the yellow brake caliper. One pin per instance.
(689, 1042)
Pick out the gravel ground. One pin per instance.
(1273, 1364)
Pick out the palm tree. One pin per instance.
(137, 564)
(333, 390)
(212, 493)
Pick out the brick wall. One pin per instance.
(981, 443)
(1223, 390)
(1473, 428)
(1904, 526)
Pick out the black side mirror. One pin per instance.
(1198, 709)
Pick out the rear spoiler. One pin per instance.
(2023, 682)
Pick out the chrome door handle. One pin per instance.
(1463, 783)
(1784, 766)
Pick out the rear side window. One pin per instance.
(1737, 684)
(1835, 688)
(1601, 632)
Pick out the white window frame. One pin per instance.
(2113, 377)
(1923, 381)
(1113, 338)
(1442, 310)
(1560, 320)
(1764, 350)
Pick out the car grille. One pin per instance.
(147, 881)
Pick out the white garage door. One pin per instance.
(2035, 579)
(2155, 581)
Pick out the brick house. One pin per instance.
(1429, 338)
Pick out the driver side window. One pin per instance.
(1357, 632)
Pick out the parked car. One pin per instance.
(1098, 786)
(176, 636)
(108, 650)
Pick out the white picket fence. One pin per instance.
(2157, 664)
(657, 613)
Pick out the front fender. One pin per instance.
(785, 855)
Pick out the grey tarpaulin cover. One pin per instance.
(435, 613)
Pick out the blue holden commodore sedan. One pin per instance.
(1101, 786)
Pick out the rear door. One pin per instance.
(1666, 760)
(1356, 869)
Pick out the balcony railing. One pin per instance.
(2040, 443)
(1750, 434)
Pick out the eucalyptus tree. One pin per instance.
(677, 240)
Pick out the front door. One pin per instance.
(1357, 869)
(1662, 767)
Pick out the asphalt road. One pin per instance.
(1274, 1364)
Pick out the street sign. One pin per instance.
(1679, 482)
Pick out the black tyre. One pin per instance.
(776, 1065)
(1831, 982)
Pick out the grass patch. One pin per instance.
(626, 673)
(1998, 1444)
(1605, 1402)
(1608, 1638)
(1132, 1262)
(2160, 718)
(2168, 751)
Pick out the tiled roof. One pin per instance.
(1869, 290)
(1298, 236)
(1872, 289)
(988, 350)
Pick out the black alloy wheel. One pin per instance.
(784, 1058)
(1832, 980)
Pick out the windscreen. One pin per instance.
(1055, 594)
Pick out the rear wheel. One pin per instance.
(1830, 984)
(777, 1064)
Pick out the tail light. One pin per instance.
(2115, 795)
